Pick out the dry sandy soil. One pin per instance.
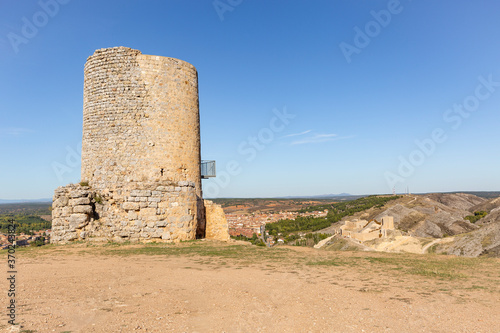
(206, 286)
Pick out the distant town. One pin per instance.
(39, 237)
(250, 223)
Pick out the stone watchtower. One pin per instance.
(141, 177)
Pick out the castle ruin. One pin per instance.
(363, 230)
(141, 175)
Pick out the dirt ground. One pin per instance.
(214, 287)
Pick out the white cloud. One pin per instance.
(313, 137)
(14, 131)
(296, 134)
(318, 138)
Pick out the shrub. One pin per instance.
(477, 216)
(98, 199)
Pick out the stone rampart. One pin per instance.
(136, 213)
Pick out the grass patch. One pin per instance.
(438, 274)
(433, 248)
(424, 242)
(487, 240)
(337, 245)
(340, 244)
(428, 265)
(331, 262)
(481, 273)
(243, 254)
(474, 287)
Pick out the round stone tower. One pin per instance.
(141, 175)
(140, 120)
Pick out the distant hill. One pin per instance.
(10, 201)
(334, 195)
(484, 194)
(339, 197)
(444, 217)
(320, 196)
(26, 208)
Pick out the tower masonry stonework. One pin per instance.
(140, 177)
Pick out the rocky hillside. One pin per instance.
(434, 215)
(442, 215)
(484, 241)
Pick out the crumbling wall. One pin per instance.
(72, 211)
(130, 212)
(216, 224)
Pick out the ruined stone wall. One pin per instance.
(388, 222)
(136, 212)
(217, 227)
(72, 211)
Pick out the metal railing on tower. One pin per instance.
(207, 169)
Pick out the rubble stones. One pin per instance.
(87, 209)
(122, 218)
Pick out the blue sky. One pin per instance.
(361, 81)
